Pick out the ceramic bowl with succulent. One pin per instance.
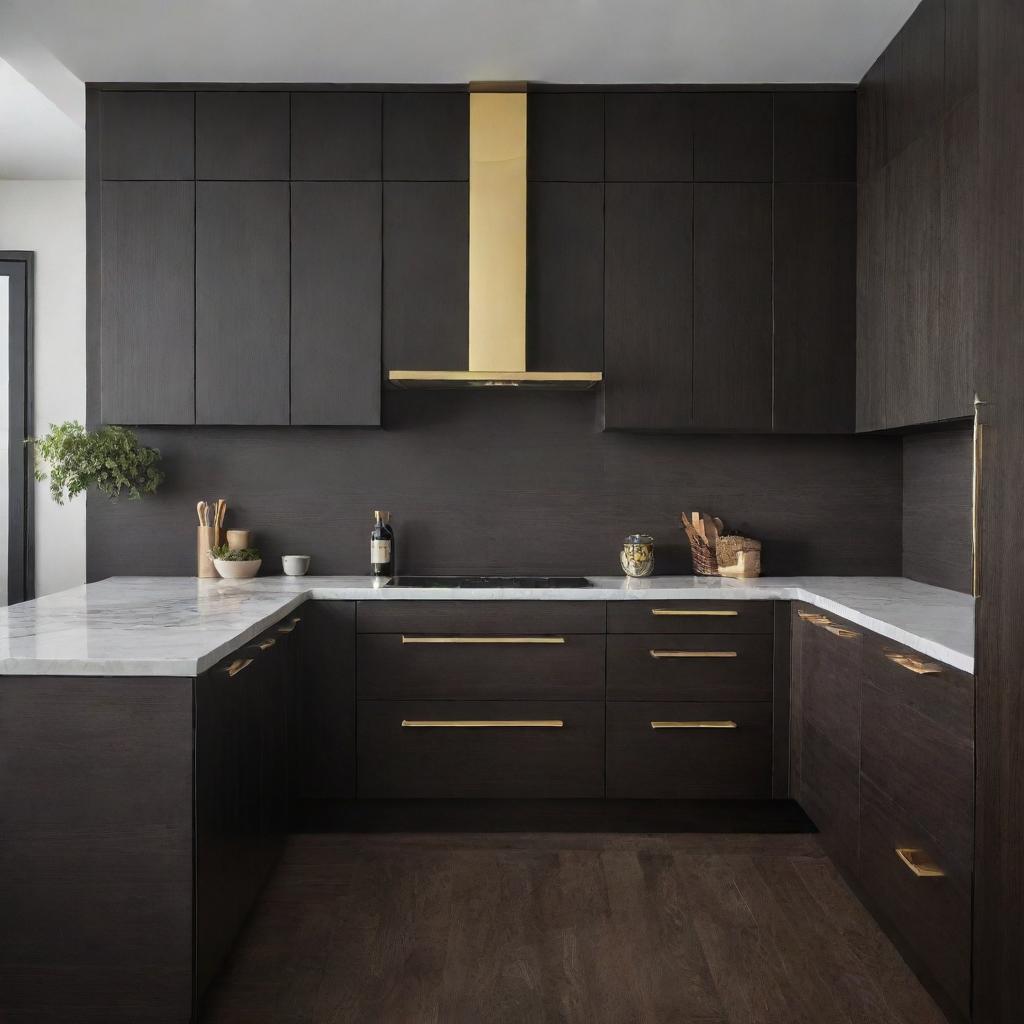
(241, 564)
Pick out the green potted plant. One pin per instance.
(110, 459)
(241, 564)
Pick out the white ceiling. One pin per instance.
(704, 41)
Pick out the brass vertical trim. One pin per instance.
(497, 231)
(976, 463)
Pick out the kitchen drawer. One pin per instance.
(690, 616)
(701, 667)
(397, 666)
(931, 915)
(506, 618)
(689, 762)
(917, 747)
(548, 749)
(830, 795)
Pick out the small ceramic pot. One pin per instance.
(239, 539)
(236, 570)
(637, 555)
(295, 565)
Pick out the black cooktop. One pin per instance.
(524, 582)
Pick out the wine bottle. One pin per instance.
(382, 545)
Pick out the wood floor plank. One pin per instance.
(575, 929)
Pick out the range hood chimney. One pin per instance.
(497, 253)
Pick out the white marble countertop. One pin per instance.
(178, 626)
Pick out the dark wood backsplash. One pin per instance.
(507, 482)
(937, 470)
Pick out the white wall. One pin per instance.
(48, 218)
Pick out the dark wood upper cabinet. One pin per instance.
(242, 135)
(815, 307)
(335, 303)
(961, 67)
(565, 276)
(815, 136)
(147, 246)
(871, 144)
(336, 136)
(147, 135)
(649, 137)
(426, 275)
(732, 307)
(565, 140)
(242, 294)
(914, 76)
(648, 306)
(426, 136)
(732, 136)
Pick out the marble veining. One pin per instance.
(177, 626)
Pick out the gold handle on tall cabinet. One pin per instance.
(693, 725)
(266, 643)
(524, 723)
(919, 862)
(692, 654)
(915, 665)
(976, 464)
(483, 639)
(695, 611)
(290, 627)
(238, 665)
(846, 634)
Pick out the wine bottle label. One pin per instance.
(380, 552)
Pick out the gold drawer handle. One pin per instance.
(815, 619)
(494, 723)
(483, 639)
(915, 665)
(693, 725)
(290, 627)
(238, 665)
(919, 862)
(693, 654)
(266, 644)
(846, 634)
(698, 611)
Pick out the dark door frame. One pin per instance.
(18, 267)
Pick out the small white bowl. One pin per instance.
(295, 565)
(236, 570)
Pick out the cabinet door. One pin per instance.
(426, 136)
(242, 302)
(335, 136)
(648, 303)
(147, 135)
(732, 307)
(871, 311)
(566, 137)
(147, 302)
(335, 303)
(732, 136)
(242, 135)
(815, 136)
(565, 270)
(426, 274)
(815, 308)
(648, 137)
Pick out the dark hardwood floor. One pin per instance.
(701, 929)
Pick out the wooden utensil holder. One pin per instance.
(207, 537)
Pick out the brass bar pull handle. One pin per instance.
(915, 665)
(693, 654)
(483, 639)
(919, 862)
(846, 634)
(693, 725)
(266, 643)
(695, 611)
(815, 618)
(238, 665)
(290, 627)
(494, 723)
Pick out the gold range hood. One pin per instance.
(497, 254)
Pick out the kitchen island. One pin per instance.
(158, 734)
